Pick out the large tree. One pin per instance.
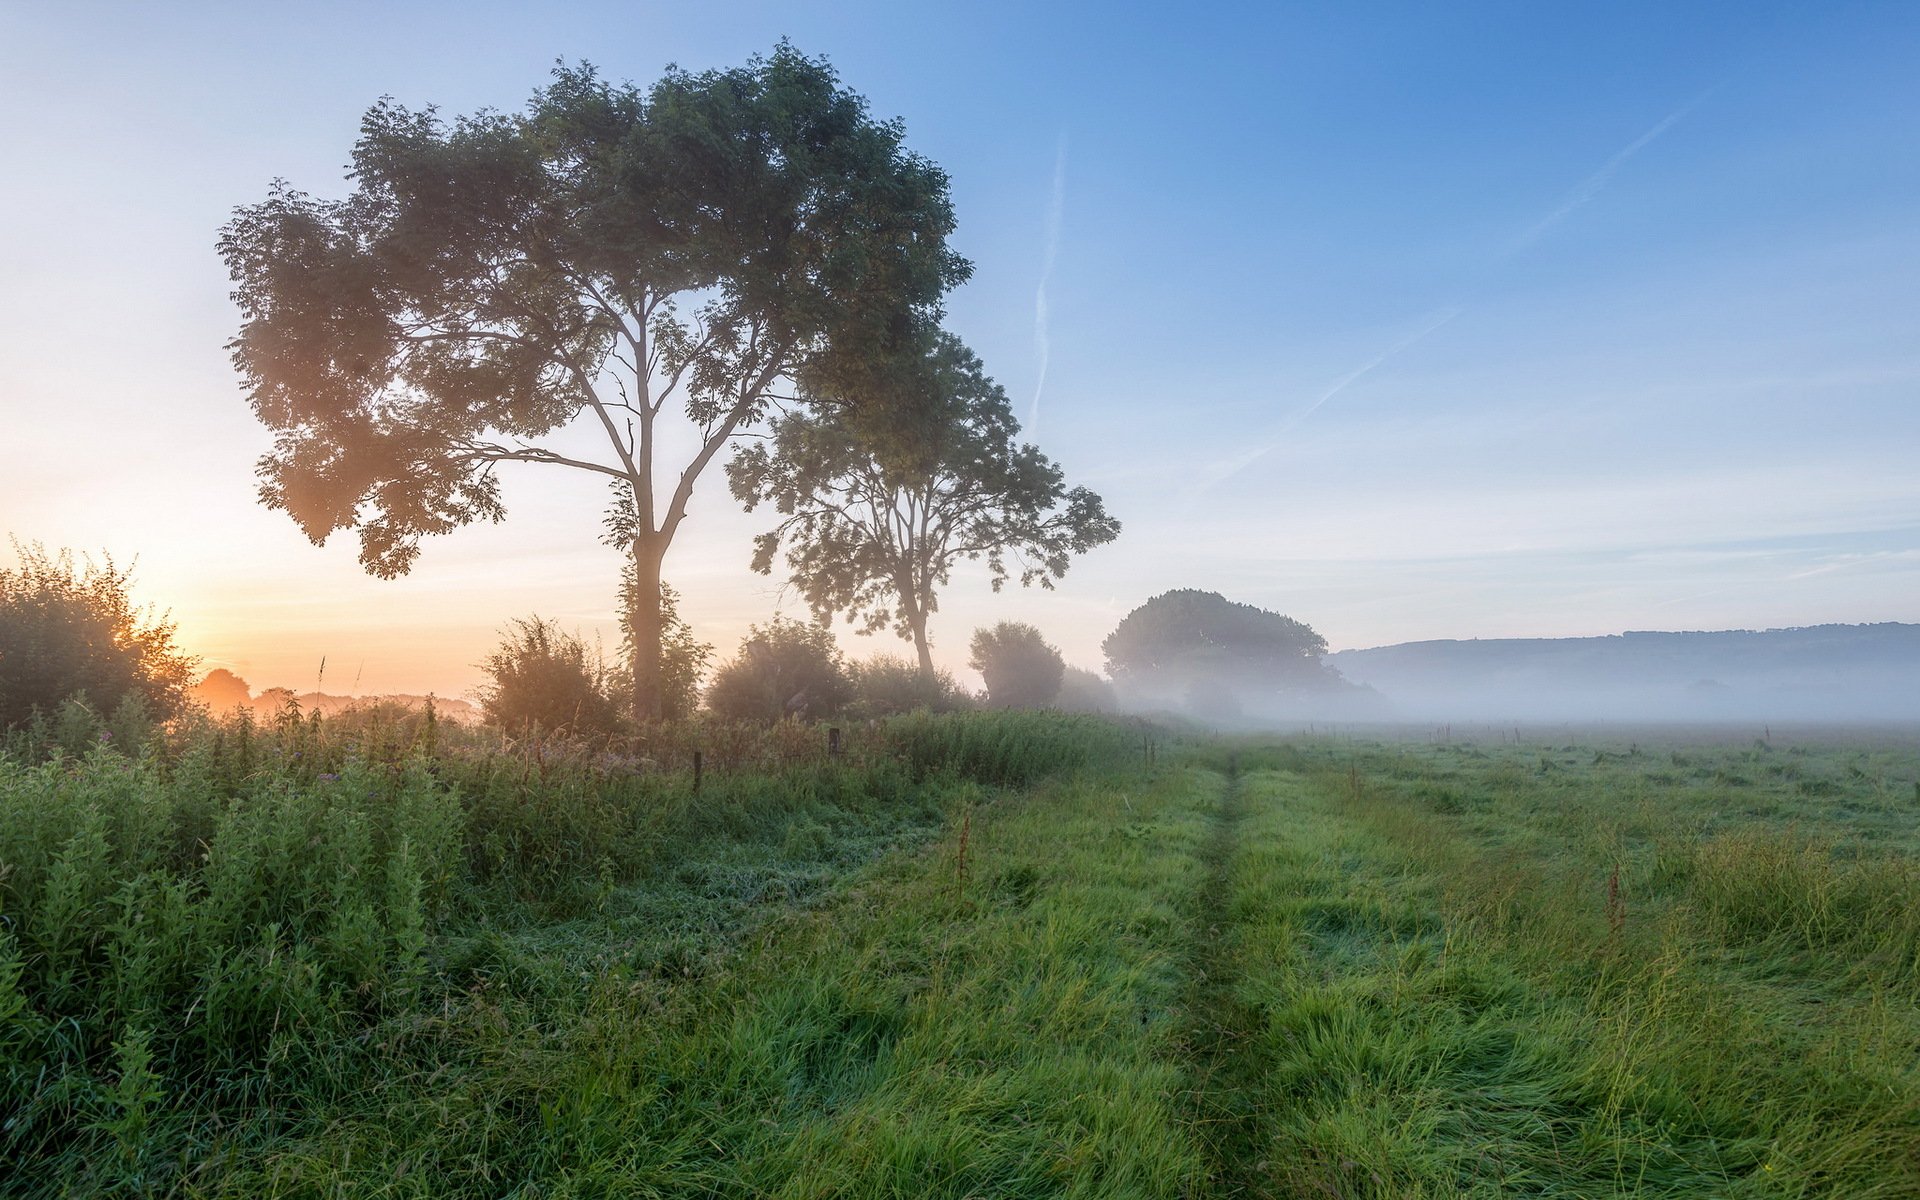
(879, 500)
(1187, 640)
(521, 288)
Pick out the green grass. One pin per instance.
(982, 955)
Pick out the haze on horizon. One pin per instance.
(1495, 321)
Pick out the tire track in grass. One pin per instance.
(1222, 1106)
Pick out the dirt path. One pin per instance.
(1221, 1108)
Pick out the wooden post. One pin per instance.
(696, 772)
(833, 741)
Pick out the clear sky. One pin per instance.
(1407, 320)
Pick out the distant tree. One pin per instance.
(1082, 691)
(887, 684)
(504, 288)
(1187, 638)
(874, 516)
(544, 679)
(71, 628)
(1021, 669)
(222, 691)
(683, 657)
(784, 669)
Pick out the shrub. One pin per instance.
(1021, 669)
(546, 679)
(69, 629)
(784, 669)
(887, 684)
(1083, 691)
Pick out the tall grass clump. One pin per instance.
(1008, 748)
(1765, 885)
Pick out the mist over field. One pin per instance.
(1832, 673)
(1038, 601)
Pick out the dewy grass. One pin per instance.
(990, 954)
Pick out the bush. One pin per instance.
(545, 679)
(1085, 692)
(887, 684)
(784, 669)
(1021, 669)
(70, 630)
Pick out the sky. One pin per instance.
(1409, 321)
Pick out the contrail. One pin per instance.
(1042, 342)
(1241, 462)
(1591, 185)
(1587, 190)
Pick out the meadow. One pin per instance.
(982, 954)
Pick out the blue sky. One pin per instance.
(1406, 320)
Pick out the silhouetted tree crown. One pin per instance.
(707, 242)
(878, 500)
(70, 628)
(784, 669)
(1021, 669)
(222, 691)
(1184, 636)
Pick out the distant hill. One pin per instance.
(1822, 672)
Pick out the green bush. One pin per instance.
(887, 684)
(71, 629)
(543, 679)
(784, 669)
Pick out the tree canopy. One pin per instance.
(498, 280)
(1021, 669)
(879, 501)
(1186, 637)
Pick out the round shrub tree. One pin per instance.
(785, 668)
(1189, 644)
(543, 679)
(70, 628)
(1021, 669)
(1085, 692)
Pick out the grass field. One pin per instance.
(997, 955)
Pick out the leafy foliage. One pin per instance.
(1186, 637)
(683, 657)
(71, 628)
(1021, 669)
(498, 278)
(887, 684)
(544, 679)
(875, 514)
(1082, 691)
(784, 669)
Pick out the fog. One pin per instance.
(1832, 674)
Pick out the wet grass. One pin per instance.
(1289, 968)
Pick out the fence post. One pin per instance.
(833, 741)
(696, 772)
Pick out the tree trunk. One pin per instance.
(917, 622)
(644, 625)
